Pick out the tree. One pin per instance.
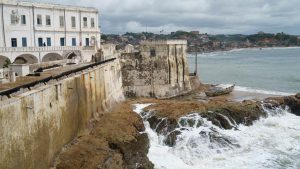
(7, 63)
(104, 37)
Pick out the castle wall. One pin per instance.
(35, 125)
(159, 70)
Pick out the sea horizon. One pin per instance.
(251, 69)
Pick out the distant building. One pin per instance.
(129, 48)
(195, 32)
(204, 38)
(29, 26)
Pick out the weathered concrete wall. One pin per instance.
(35, 125)
(160, 69)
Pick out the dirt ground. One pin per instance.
(114, 142)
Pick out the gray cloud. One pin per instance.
(210, 16)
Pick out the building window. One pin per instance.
(62, 41)
(61, 21)
(14, 19)
(39, 20)
(85, 21)
(24, 42)
(73, 41)
(152, 52)
(14, 42)
(48, 20)
(23, 19)
(73, 19)
(48, 41)
(40, 42)
(87, 41)
(92, 22)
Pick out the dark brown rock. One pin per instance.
(114, 142)
(135, 152)
(298, 96)
(294, 104)
(166, 126)
(225, 115)
(171, 138)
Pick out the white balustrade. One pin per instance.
(46, 48)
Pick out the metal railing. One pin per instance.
(44, 81)
(46, 48)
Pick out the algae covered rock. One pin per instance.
(293, 102)
(169, 117)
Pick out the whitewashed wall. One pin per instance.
(1, 28)
(55, 32)
(18, 30)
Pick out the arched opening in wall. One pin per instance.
(52, 57)
(71, 55)
(127, 68)
(4, 61)
(26, 59)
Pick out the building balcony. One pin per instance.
(46, 48)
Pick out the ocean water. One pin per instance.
(266, 70)
(270, 143)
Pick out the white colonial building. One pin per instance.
(39, 32)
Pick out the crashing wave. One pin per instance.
(271, 142)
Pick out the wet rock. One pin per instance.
(162, 125)
(171, 138)
(166, 126)
(294, 104)
(228, 116)
(222, 141)
(135, 152)
(218, 120)
(168, 117)
(298, 96)
(153, 121)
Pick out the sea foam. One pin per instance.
(272, 142)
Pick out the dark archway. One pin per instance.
(26, 59)
(71, 55)
(52, 57)
(4, 61)
(127, 67)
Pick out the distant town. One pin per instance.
(203, 42)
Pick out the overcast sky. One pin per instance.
(207, 16)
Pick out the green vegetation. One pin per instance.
(7, 63)
(206, 42)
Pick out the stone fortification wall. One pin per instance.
(35, 125)
(159, 70)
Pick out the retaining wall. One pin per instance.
(35, 125)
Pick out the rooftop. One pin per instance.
(48, 5)
(29, 79)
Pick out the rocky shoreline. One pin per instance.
(166, 116)
(118, 139)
